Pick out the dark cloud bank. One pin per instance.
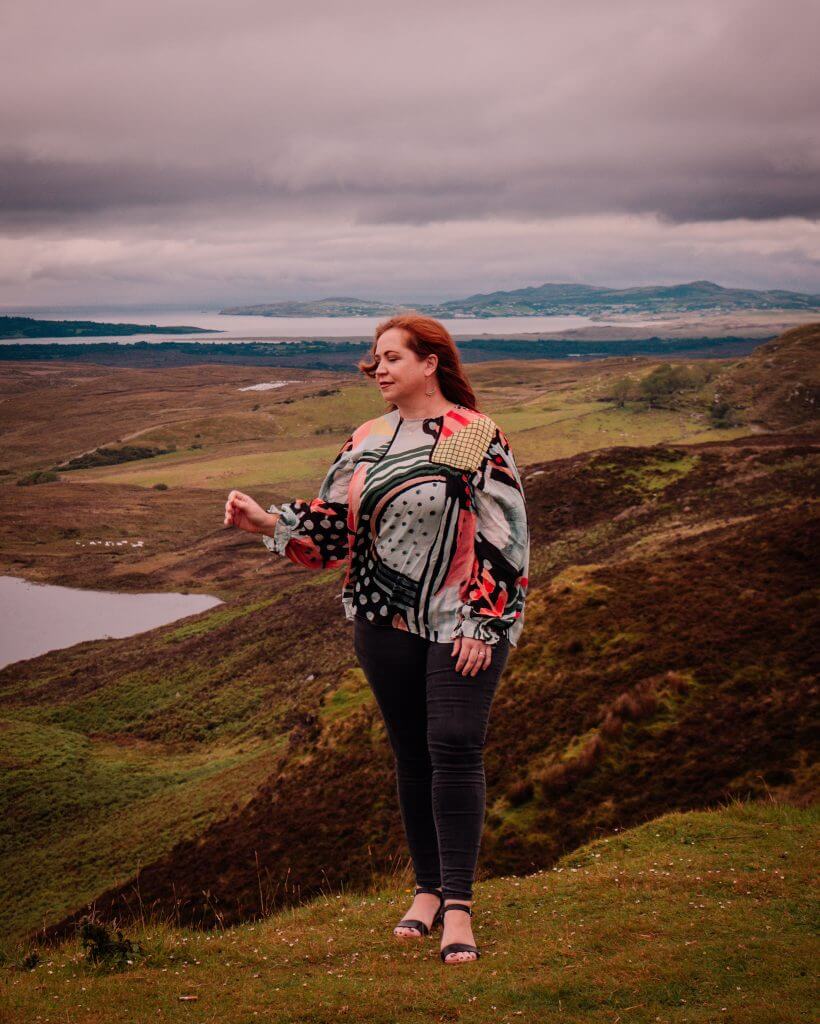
(364, 146)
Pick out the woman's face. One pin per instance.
(399, 371)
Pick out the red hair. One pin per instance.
(426, 336)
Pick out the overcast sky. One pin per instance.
(188, 151)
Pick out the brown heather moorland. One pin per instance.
(216, 769)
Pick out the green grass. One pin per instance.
(691, 917)
(292, 441)
(135, 698)
(222, 469)
(109, 798)
(83, 810)
(98, 777)
(351, 693)
(517, 419)
(657, 475)
(521, 818)
(590, 426)
(294, 448)
(216, 620)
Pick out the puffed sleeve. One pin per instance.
(315, 533)
(494, 597)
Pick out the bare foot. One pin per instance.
(458, 927)
(424, 908)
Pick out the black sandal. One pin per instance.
(458, 947)
(420, 926)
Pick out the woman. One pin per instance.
(424, 506)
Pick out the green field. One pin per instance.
(552, 426)
(86, 810)
(691, 917)
(668, 598)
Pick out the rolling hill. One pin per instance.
(667, 663)
(546, 299)
(778, 385)
(696, 916)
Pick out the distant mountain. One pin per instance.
(338, 305)
(547, 299)
(582, 298)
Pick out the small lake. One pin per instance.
(38, 617)
(236, 328)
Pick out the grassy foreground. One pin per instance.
(697, 916)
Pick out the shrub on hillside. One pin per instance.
(114, 456)
(721, 414)
(102, 950)
(665, 382)
(39, 476)
(621, 391)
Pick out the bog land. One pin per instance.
(220, 770)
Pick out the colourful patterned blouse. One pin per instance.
(429, 517)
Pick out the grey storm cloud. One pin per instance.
(699, 111)
(116, 118)
(46, 189)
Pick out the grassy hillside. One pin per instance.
(778, 386)
(551, 298)
(691, 917)
(236, 761)
(672, 596)
(274, 444)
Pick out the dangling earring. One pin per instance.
(430, 393)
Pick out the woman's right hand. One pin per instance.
(242, 511)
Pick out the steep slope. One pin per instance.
(699, 917)
(242, 750)
(778, 385)
(667, 663)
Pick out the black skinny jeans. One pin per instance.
(436, 721)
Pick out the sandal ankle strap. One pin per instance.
(430, 889)
(457, 906)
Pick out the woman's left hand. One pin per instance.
(473, 655)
